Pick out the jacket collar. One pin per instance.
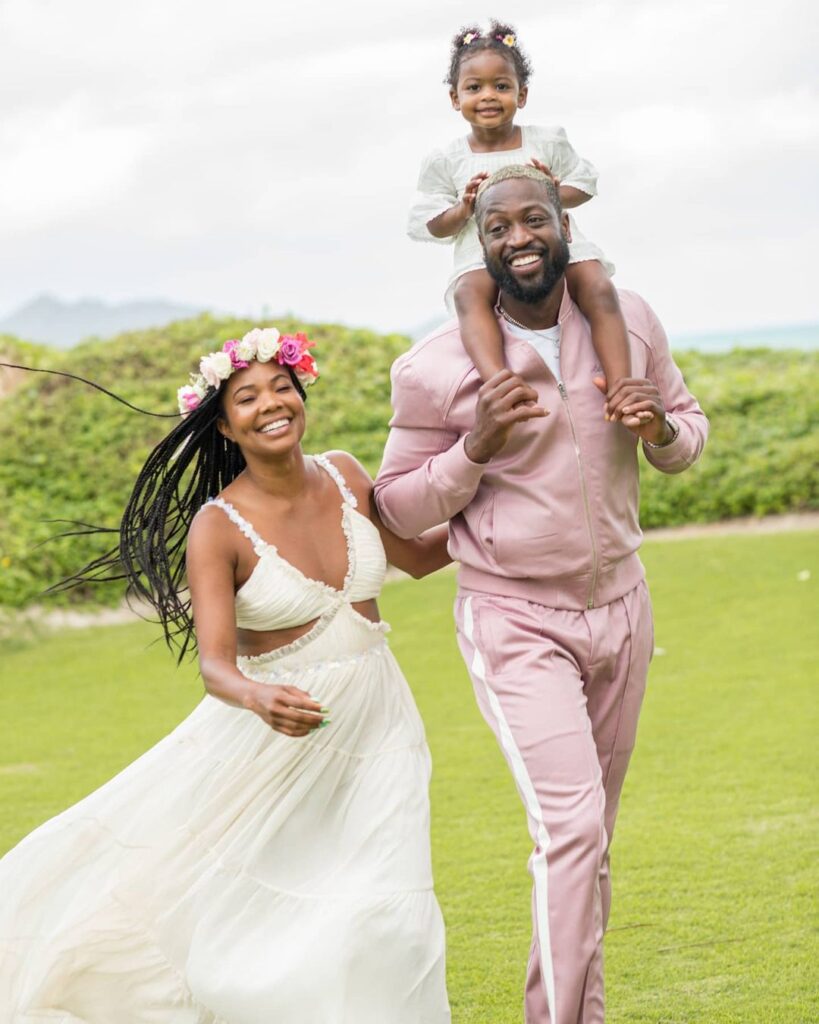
(566, 304)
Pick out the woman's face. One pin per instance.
(262, 411)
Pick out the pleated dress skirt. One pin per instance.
(234, 875)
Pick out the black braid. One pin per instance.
(191, 464)
(489, 40)
(92, 384)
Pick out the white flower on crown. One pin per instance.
(199, 385)
(215, 368)
(267, 343)
(246, 349)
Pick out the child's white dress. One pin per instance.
(235, 875)
(446, 172)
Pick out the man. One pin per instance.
(553, 614)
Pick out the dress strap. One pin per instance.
(333, 471)
(259, 545)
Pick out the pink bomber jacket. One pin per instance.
(553, 518)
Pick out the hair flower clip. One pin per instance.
(508, 40)
(469, 38)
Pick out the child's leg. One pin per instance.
(475, 296)
(591, 288)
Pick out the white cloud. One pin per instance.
(249, 154)
(64, 166)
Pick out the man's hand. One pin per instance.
(638, 403)
(504, 400)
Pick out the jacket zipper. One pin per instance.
(564, 395)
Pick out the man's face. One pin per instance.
(525, 240)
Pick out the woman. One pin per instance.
(269, 860)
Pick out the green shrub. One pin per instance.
(69, 453)
(762, 457)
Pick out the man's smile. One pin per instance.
(525, 260)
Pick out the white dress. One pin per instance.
(445, 173)
(234, 875)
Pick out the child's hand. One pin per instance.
(471, 192)
(637, 403)
(545, 170)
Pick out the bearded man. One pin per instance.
(553, 613)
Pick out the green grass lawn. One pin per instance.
(715, 853)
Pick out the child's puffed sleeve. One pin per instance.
(436, 193)
(564, 162)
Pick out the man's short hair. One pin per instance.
(517, 171)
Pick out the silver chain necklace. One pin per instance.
(517, 323)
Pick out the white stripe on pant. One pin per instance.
(538, 863)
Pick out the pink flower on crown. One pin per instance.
(188, 399)
(230, 347)
(290, 351)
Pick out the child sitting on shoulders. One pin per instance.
(488, 83)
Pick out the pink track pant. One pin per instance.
(562, 690)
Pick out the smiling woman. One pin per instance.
(263, 843)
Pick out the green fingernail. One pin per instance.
(325, 723)
(325, 711)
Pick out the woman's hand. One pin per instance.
(287, 709)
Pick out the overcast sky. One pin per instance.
(241, 154)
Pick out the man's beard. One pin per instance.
(553, 269)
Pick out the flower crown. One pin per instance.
(261, 344)
(470, 37)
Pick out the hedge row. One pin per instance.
(70, 453)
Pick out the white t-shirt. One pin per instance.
(546, 343)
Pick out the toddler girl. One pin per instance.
(488, 83)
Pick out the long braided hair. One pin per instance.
(191, 464)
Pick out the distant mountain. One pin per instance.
(804, 337)
(51, 321)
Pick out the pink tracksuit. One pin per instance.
(553, 613)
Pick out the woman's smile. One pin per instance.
(275, 427)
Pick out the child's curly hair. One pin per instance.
(499, 37)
